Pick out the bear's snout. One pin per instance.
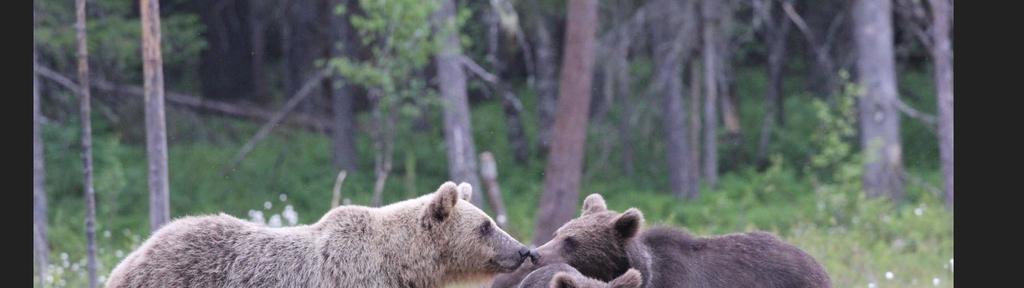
(529, 253)
(512, 261)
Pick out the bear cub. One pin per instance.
(603, 244)
(561, 275)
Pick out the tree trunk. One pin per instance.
(510, 103)
(682, 178)
(826, 16)
(710, 16)
(257, 39)
(546, 76)
(516, 134)
(458, 133)
(942, 55)
(40, 243)
(623, 88)
(384, 139)
(729, 106)
(156, 131)
(86, 121)
(225, 66)
(728, 101)
(565, 160)
(489, 170)
(695, 123)
(672, 43)
(343, 134)
(287, 81)
(879, 117)
(773, 95)
(304, 41)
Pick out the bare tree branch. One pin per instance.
(477, 70)
(820, 49)
(276, 120)
(489, 171)
(799, 22)
(336, 195)
(190, 101)
(625, 32)
(914, 113)
(58, 78)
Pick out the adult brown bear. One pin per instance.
(430, 241)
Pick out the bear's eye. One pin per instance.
(569, 244)
(485, 228)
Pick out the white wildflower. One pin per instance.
(283, 197)
(256, 216)
(275, 221)
(888, 275)
(267, 205)
(290, 215)
(936, 281)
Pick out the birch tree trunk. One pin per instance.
(942, 56)
(86, 121)
(156, 131)
(879, 117)
(673, 41)
(710, 16)
(39, 223)
(458, 133)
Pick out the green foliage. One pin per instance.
(114, 40)
(857, 239)
(401, 43)
(809, 195)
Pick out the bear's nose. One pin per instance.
(524, 252)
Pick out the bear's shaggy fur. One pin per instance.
(429, 241)
(561, 275)
(603, 244)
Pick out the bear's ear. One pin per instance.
(562, 280)
(444, 201)
(465, 191)
(594, 203)
(628, 224)
(631, 279)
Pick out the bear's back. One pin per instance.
(186, 252)
(733, 260)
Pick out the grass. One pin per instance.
(860, 241)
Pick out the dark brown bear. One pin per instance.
(604, 244)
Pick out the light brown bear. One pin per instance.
(430, 241)
(604, 244)
(561, 275)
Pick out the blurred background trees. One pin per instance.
(808, 118)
